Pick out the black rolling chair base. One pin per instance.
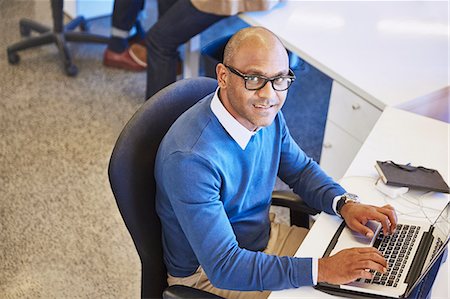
(59, 36)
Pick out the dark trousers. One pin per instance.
(179, 21)
(125, 13)
(125, 17)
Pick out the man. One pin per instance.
(215, 171)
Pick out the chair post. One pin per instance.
(57, 14)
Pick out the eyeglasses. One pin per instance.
(256, 82)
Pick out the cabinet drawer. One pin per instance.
(338, 151)
(350, 112)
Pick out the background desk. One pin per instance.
(378, 53)
(403, 137)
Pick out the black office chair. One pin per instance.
(59, 35)
(133, 183)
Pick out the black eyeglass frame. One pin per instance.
(246, 77)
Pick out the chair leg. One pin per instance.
(30, 42)
(78, 21)
(26, 25)
(70, 69)
(85, 37)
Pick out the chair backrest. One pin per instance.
(131, 172)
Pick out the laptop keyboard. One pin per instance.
(396, 249)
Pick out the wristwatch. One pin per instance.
(346, 198)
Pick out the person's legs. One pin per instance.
(284, 241)
(164, 6)
(176, 26)
(124, 17)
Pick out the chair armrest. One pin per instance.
(183, 292)
(292, 201)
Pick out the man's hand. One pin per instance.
(357, 215)
(350, 264)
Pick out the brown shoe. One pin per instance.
(121, 60)
(139, 54)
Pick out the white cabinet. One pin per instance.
(350, 119)
(339, 149)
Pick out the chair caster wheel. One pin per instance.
(71, 70)
(13, 58)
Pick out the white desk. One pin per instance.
(386, 52)
(379, 53)
(403, 137)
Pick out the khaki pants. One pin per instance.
(284, 240)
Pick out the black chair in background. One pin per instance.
(59, 35)
(133, 184)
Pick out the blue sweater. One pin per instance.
(213, 200)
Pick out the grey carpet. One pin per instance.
(61, 235)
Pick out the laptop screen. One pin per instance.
(441, 234)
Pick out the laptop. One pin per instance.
(411, 252)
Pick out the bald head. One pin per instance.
(253, 55)
(256, 37)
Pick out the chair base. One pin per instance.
(60, 39)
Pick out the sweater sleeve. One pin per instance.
(304, 175)
(192, 185)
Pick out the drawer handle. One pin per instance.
(327, 145)
(356, 106)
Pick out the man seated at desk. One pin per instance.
(215, 172)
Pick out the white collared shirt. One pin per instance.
(237, 131)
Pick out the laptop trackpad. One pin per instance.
(350, 239)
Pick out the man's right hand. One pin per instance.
(350, 264)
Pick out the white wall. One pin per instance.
(88, 8)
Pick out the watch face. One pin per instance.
(347, 197)
(351, 196)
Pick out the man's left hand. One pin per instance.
(357, 215)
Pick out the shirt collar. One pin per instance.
(238, 132)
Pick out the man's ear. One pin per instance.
(222, 74)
